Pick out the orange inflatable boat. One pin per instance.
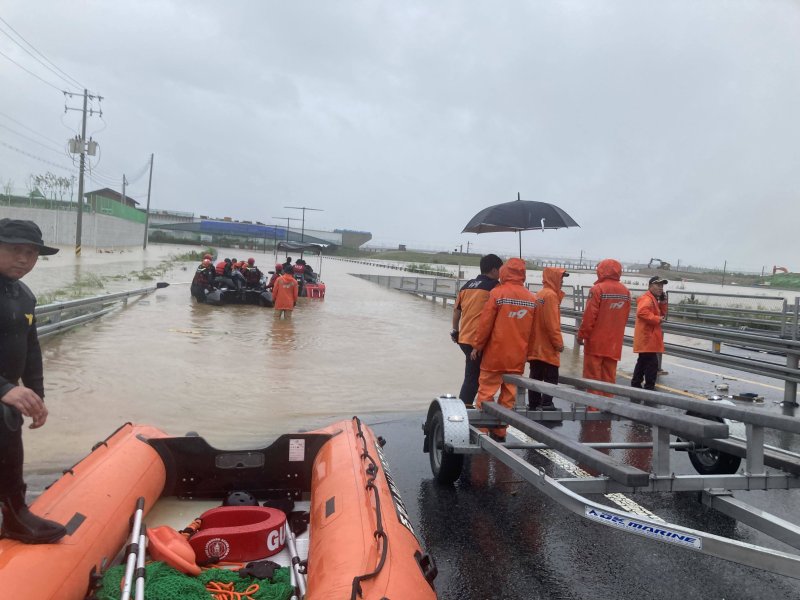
(359, 542)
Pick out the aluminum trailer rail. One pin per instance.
(704, 430)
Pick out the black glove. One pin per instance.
(454, 335)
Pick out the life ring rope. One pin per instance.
(381, 537)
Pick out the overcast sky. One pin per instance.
(666, 129)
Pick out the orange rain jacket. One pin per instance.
(648, 335)
(606, 312)
(284, 292)
(547, 338)
(471, 299)
(505, 329)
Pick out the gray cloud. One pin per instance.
(664, 128)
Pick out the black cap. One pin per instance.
(17, 231)
(565, 274)
(656, 279)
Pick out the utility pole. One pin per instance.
(288, 219)
(303, 229)
(147, 212)
(80, 145)
(124, 182)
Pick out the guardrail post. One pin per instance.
(716, 346)
(784, 318)
(796, 317)
(790, 387)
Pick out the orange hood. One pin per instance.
(552, 278)
(608, 268)
(513, 271)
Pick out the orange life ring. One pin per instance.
(239, 533)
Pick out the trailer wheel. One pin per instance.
(708, 461)
(446, 466)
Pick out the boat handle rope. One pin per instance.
(379, 533)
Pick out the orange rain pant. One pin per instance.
(600, 368)
(488, 382)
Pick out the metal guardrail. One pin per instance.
(572, 307)
(60, 316)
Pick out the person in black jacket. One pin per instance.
(20, 361)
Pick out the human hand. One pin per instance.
(579, 340)
(28, 402)
(474, 354)
(561, 349)
(454, 335)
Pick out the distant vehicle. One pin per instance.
(659, 264)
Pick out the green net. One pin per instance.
(162, 582)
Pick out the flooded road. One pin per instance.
(235, 374)
(238, 376)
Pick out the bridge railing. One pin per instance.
(782, 341)
(59, 316)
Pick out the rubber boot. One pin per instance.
(21, 524)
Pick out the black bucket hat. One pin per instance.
(17, 231)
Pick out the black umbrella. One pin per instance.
(519, 215)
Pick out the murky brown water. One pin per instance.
(235, 374)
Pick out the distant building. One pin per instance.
(100, 197)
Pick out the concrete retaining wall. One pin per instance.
(58, 227)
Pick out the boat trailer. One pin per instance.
(717, 435)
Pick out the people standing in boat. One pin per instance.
(504, 337)
(603, 326)
(548, 343)
(287, 264)
(252, 274)
(21, 245)
(648, 337)
(284, 294)
(203, 280)
(466, 315)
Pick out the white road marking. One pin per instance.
(620, 500)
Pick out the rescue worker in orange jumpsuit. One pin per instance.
(603, 327)
(504, 337)
(466, 315)
(548, 343)
(648, 337)
(284, 294)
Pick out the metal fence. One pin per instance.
(770, 329)
(61, 316)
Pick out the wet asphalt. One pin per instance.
(493, 536)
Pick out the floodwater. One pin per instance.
(235, 374)
(239, 377)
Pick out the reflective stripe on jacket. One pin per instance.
(471, 300)
(606, 314)
(505, 329)
(648, 335)
(547, 338)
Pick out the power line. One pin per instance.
(44, 137)
(68, 77)
(46, 66)
(30, 139)
(31, 72)
(39, 158)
